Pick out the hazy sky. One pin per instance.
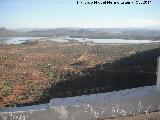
(66, 13)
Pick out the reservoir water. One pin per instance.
(19, 40)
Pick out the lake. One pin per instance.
(19, 40)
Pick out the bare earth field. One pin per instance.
(35, 72)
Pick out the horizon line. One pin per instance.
(144, 27)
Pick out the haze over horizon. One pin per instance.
(47, 28)
(61, 13)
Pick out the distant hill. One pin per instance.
(99, 33)
(7, 33)
(92, 33)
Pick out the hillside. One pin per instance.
(92, 33)
(101, 33)
(7, 33)
(34, 72)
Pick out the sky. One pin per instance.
(67, 13)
